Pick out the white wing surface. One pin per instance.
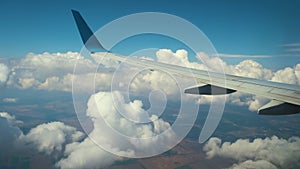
(285, 98)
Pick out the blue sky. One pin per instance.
(234, 27)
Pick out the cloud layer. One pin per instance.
(54, 71)
(270, 153)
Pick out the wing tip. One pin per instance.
(88, 37)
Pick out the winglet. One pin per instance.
(88, 37)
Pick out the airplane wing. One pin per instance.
(285, 98)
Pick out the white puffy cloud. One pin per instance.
(53, 64)
(288, 75)
(4, 71)
(253, 102)
(57, 83)
(179, 58)
(260, 153)
(51, 137)
(101, 81)
(252, 69)
(211, 63)
(85, 154)
(55, 71)
(39, 69)
(152, 80)
(26, 83)
(297, 72)
(249, 164)
(106, 122)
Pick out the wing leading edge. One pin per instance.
(285, 98)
